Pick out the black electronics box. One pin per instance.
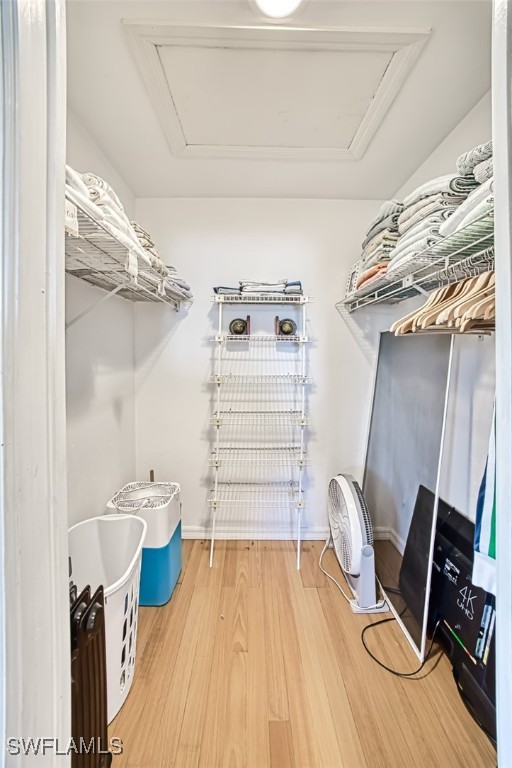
(466, 613)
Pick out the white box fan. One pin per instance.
(352, 539)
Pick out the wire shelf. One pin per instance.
(255, 298)
(257, 496)
(261, 339)
(264, 378)
(279, 456)
(97, 257)
(260, 418)
(465, 253)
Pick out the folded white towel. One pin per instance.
(484, 171)
(91, 180)
(469, 160)
(451, 183)
(482, 192)
(84, 203)
(74, 180)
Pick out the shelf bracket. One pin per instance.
(94, 305)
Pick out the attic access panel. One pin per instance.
(275, 93)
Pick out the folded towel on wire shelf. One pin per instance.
(450, 183)
(468, 161)
(74, 180)
(225, 290)
(378, 269)
(484, 171)
(386, 239)
(386, 210)
(85, 203)
(98, 186)
(390, 223)
(482, 193)
(427, 206)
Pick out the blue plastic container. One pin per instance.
(160, 571)
(158, 504)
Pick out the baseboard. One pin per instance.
(381, 533)
(281, 533)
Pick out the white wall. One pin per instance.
(472, 392)
(219, 242)
(99, 369)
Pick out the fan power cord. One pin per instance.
(381, 663)
(349, 600)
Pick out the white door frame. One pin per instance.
(502, 137)
(36, 677)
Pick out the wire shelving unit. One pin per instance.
(260, 418)
(465, 253)
(98, 257)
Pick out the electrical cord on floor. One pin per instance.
(384, 666)
(347, 598)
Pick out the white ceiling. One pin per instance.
(206, 99)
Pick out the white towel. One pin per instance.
(481, 193)
(451, 183)
(74, 180)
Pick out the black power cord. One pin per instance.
(463, 696)
(384, 666)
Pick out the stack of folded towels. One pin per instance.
(379, 243)
(97, 198)
(402, 231)
(425, 210)
(168, 271)
(285, 287)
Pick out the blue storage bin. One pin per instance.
(158, 504)
(160, 571)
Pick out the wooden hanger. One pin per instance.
(403, 320)
(430, 317)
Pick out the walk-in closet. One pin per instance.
(258, 417)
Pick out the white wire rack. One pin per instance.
(260, 416)
(261, 339)
(287, 456)
(262, 419)
(264, 298)
(262, 378)
(465, 253)
(257, 496)
(97, 257)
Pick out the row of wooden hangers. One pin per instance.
(464, 307)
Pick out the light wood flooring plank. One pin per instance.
(189, 744)
(276, 678)
(281, 748)
(258, 748)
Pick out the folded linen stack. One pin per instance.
(378, 245)
(280, 286)
(115, 219)
(476, 205)
(97, 198)
(477, 162)
(425, 211)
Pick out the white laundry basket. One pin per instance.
(107, 550)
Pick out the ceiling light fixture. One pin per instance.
(278, 9)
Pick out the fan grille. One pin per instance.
(365, 514)
(340, 526)
(340, 521)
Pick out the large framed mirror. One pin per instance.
(401, 469)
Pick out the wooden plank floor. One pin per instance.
(255, 664)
